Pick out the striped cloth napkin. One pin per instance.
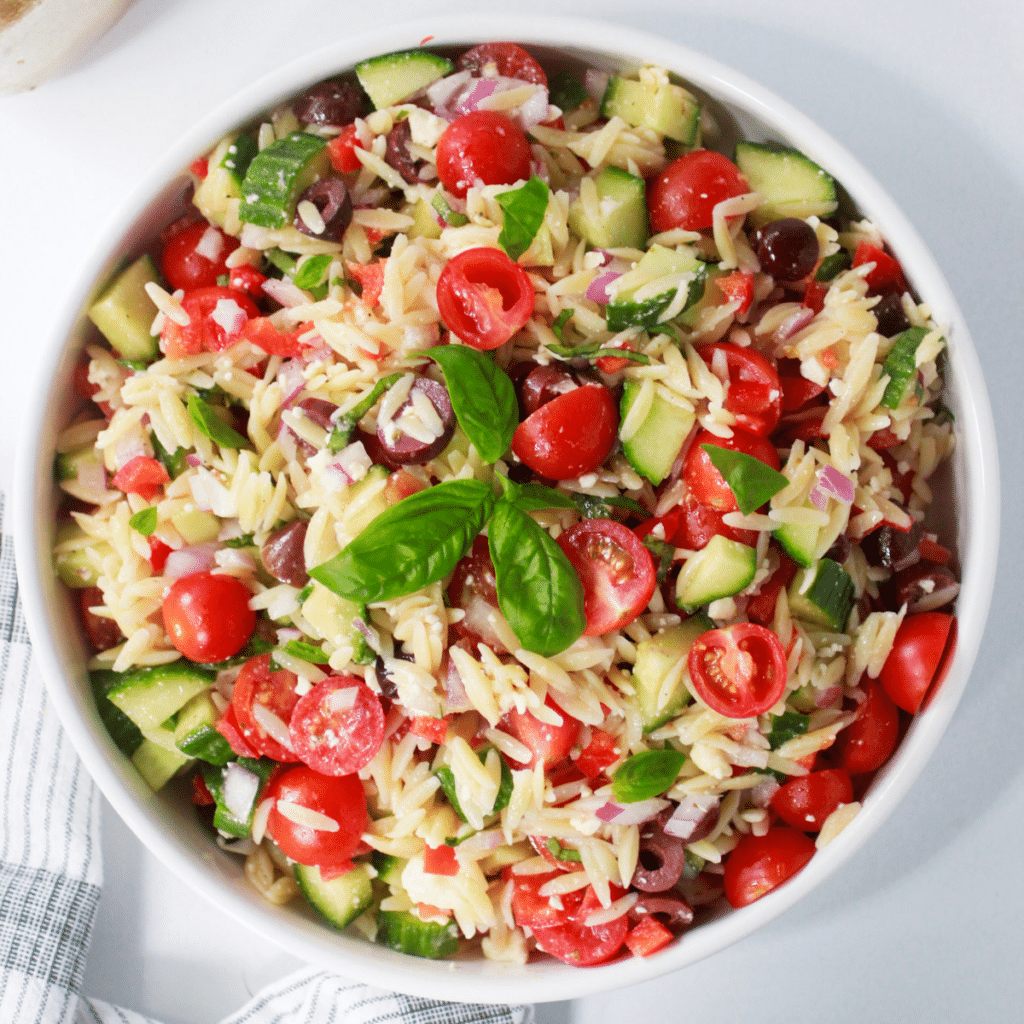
(51, 871)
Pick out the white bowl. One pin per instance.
(172, 831)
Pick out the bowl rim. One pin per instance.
(484, 981)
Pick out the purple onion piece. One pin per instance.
(282, 554)
(669, 908)
(408, 451)
(330, 197)
(335, 102)
(397, 154)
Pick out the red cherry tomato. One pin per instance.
(805, 425)
(510, 60)
(616, 570)
(482, 146)
(338, 726)
(158, 552)
(217, 317)
(207, 616)
(228, 728)
(341, 150)
(805, 802)
(814, 295)
(440, 860)
(247, 279)
(917, 652)
(103, 633)
(530, 909)
(687, 191)
(600, 753)
(569, 436)
(705, 482)
(273, 691)
(755, 394)
(691, 525)
(738, 671)
(797, 390)
(580, 945)
(185, 267)
(869, 740)
(143, 476)
(737, 287)
(339, 798)
(260, 330)
(759, 864)
(474, 576)
(648, 937)
(887, 275)
(549, 743)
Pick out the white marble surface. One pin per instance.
(924, 924)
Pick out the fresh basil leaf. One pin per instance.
(750, 480)
(663, 553)
(595, 351)
(144, 521)
(832, 266)
(524, 213)
(451, 217)
(311, 273)
(342, 432)
(135, 365)
(304, 593)
(175, 463)
(560, 852)
(534, 497)
(539, 592)
(560, 321)
(307, 652)
(210, 424)
(567, 92)
(645, 775)
(591, 506)
(482, 395)
(787, 726)
(411, 545)
(501, 799)
(245, 541)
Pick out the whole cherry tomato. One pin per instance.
(548, 743)
(207, 616)
(758, 864)
(805, 802)
(869, 740)
(482, 146)
(917, 653)
(687, 191)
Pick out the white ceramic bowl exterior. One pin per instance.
(172, 831)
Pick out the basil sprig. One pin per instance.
(209, 423)
(144, 521)
(645, 775)
(524, 213)
(751, 481)
(343, 427)
(482, 395)
(311, 273)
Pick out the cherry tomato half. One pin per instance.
(616, 570)
(207, 616)
(339, 798)
(548, 743)
(755, 394)
(761, 607)
(338, 726)
(797, 390)
(691, 525)
(569, 436)
(273, 691)
(805, 802)
(141, 475)
(510, 60)
(887, 275)
(869, 740)
(195, 256)
(759, 864)
(484, 298)
(217, 317)
(916, 655)
(706, 484)
(738, 671)
(482, 146)
(687, 191)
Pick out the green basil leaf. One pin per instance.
(539, 592)
(663, 553)
(411, 545)
(451, 217)
(342, 432)
(311, 273)
(534, 497)
(482, 395)
(560, 321)
(175, 463)
(281, 260)
(304, 593)
(447, 779)
(566, 91)
(245, 541)
(144, 521)
(595, 351)
(210, 424)
(560, 852)
(750, 480)
(591, 506)
(787, 726)
(307, 652)
(645, 775)
(524, 213)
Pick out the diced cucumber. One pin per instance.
(68, 465)
(340, 900)
(149, 696)
(643, 295)
(622, 212)
(723, 568)
(822, 595)
(195, 733)
(403, 931)
(124, 312)
(789, 183)
(239, 155)
(278, 175)
(224, 820)
(333, 617)
(655, 658)
(424, 221)
(667, 108)
(388, 868)
(899, 365)
(196, 526)
(802, 542)
(123, 731)
(652, 450)
(75, 565)
(394, 77)
(156, 764)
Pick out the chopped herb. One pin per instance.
(342, 432)
(175, 463)
(307, 652)
(144, 521)
(787, 726)
(135, 365)
(751, 481)
(245, 541)
(646, 775)
(560, 321)
(597, 351)
(312, 271)
(281, 260)
(524, 214)
(209, 423)
(591, 506)
(663, 553)
(451, 217)
(304, 593)
(560, 852)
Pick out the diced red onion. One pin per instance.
(286, 633)
(194, 459)
(631, 814)
(595, 82)
(793, 323)
(240, 788)
(287, 443)
(830, 697)
(92, 480)
(692, 810)
(481, 89)
(456, 698)
(369, 635)
(127, 448)
(478, 621)
(352, 461)
(443, 91)
(761, 794)
(831, 483)
(490, 839)
(342, 700)
(292, 378)
(189, 560)
(535, 110)
(285, 292)
(598, 290)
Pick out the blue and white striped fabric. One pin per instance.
(51, 871)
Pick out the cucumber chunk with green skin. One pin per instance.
(388, 867)
(156, 764)
(340, 900)
(124, 312)
(334, 617)
(789, 183)
(123, 731)
(75, 566)
(224, 819)
(149, 696)
(668, 109)
(239, 155)
(822, 596)
(653, 448)
(899, 365)
(643, 296)
(68, 465)
(403, 931)
(723, 568)
(393, 77)
(803, 542)
(655, 659)
(278, 175)
(622, 212)
(195, 732)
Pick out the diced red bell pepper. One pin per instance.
(263, 334)
(247, 279)
(433, 729)
(814, 294)
(598, 754)
(143, 476)
(228, 728)
(158, 552)
(737, 287)
(341, 151)
(371, 277)
(201, 795)
(648, 937)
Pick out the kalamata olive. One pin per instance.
(669, 908)
(335, 102)
(840, 550)
(892, 320)
(787, 249)
(923, 587)
(385, 680)
(334, 204)
(542, 384)
(282, 554)
(893, 548)
(397, 437)
(397, 154)
(661, 860)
